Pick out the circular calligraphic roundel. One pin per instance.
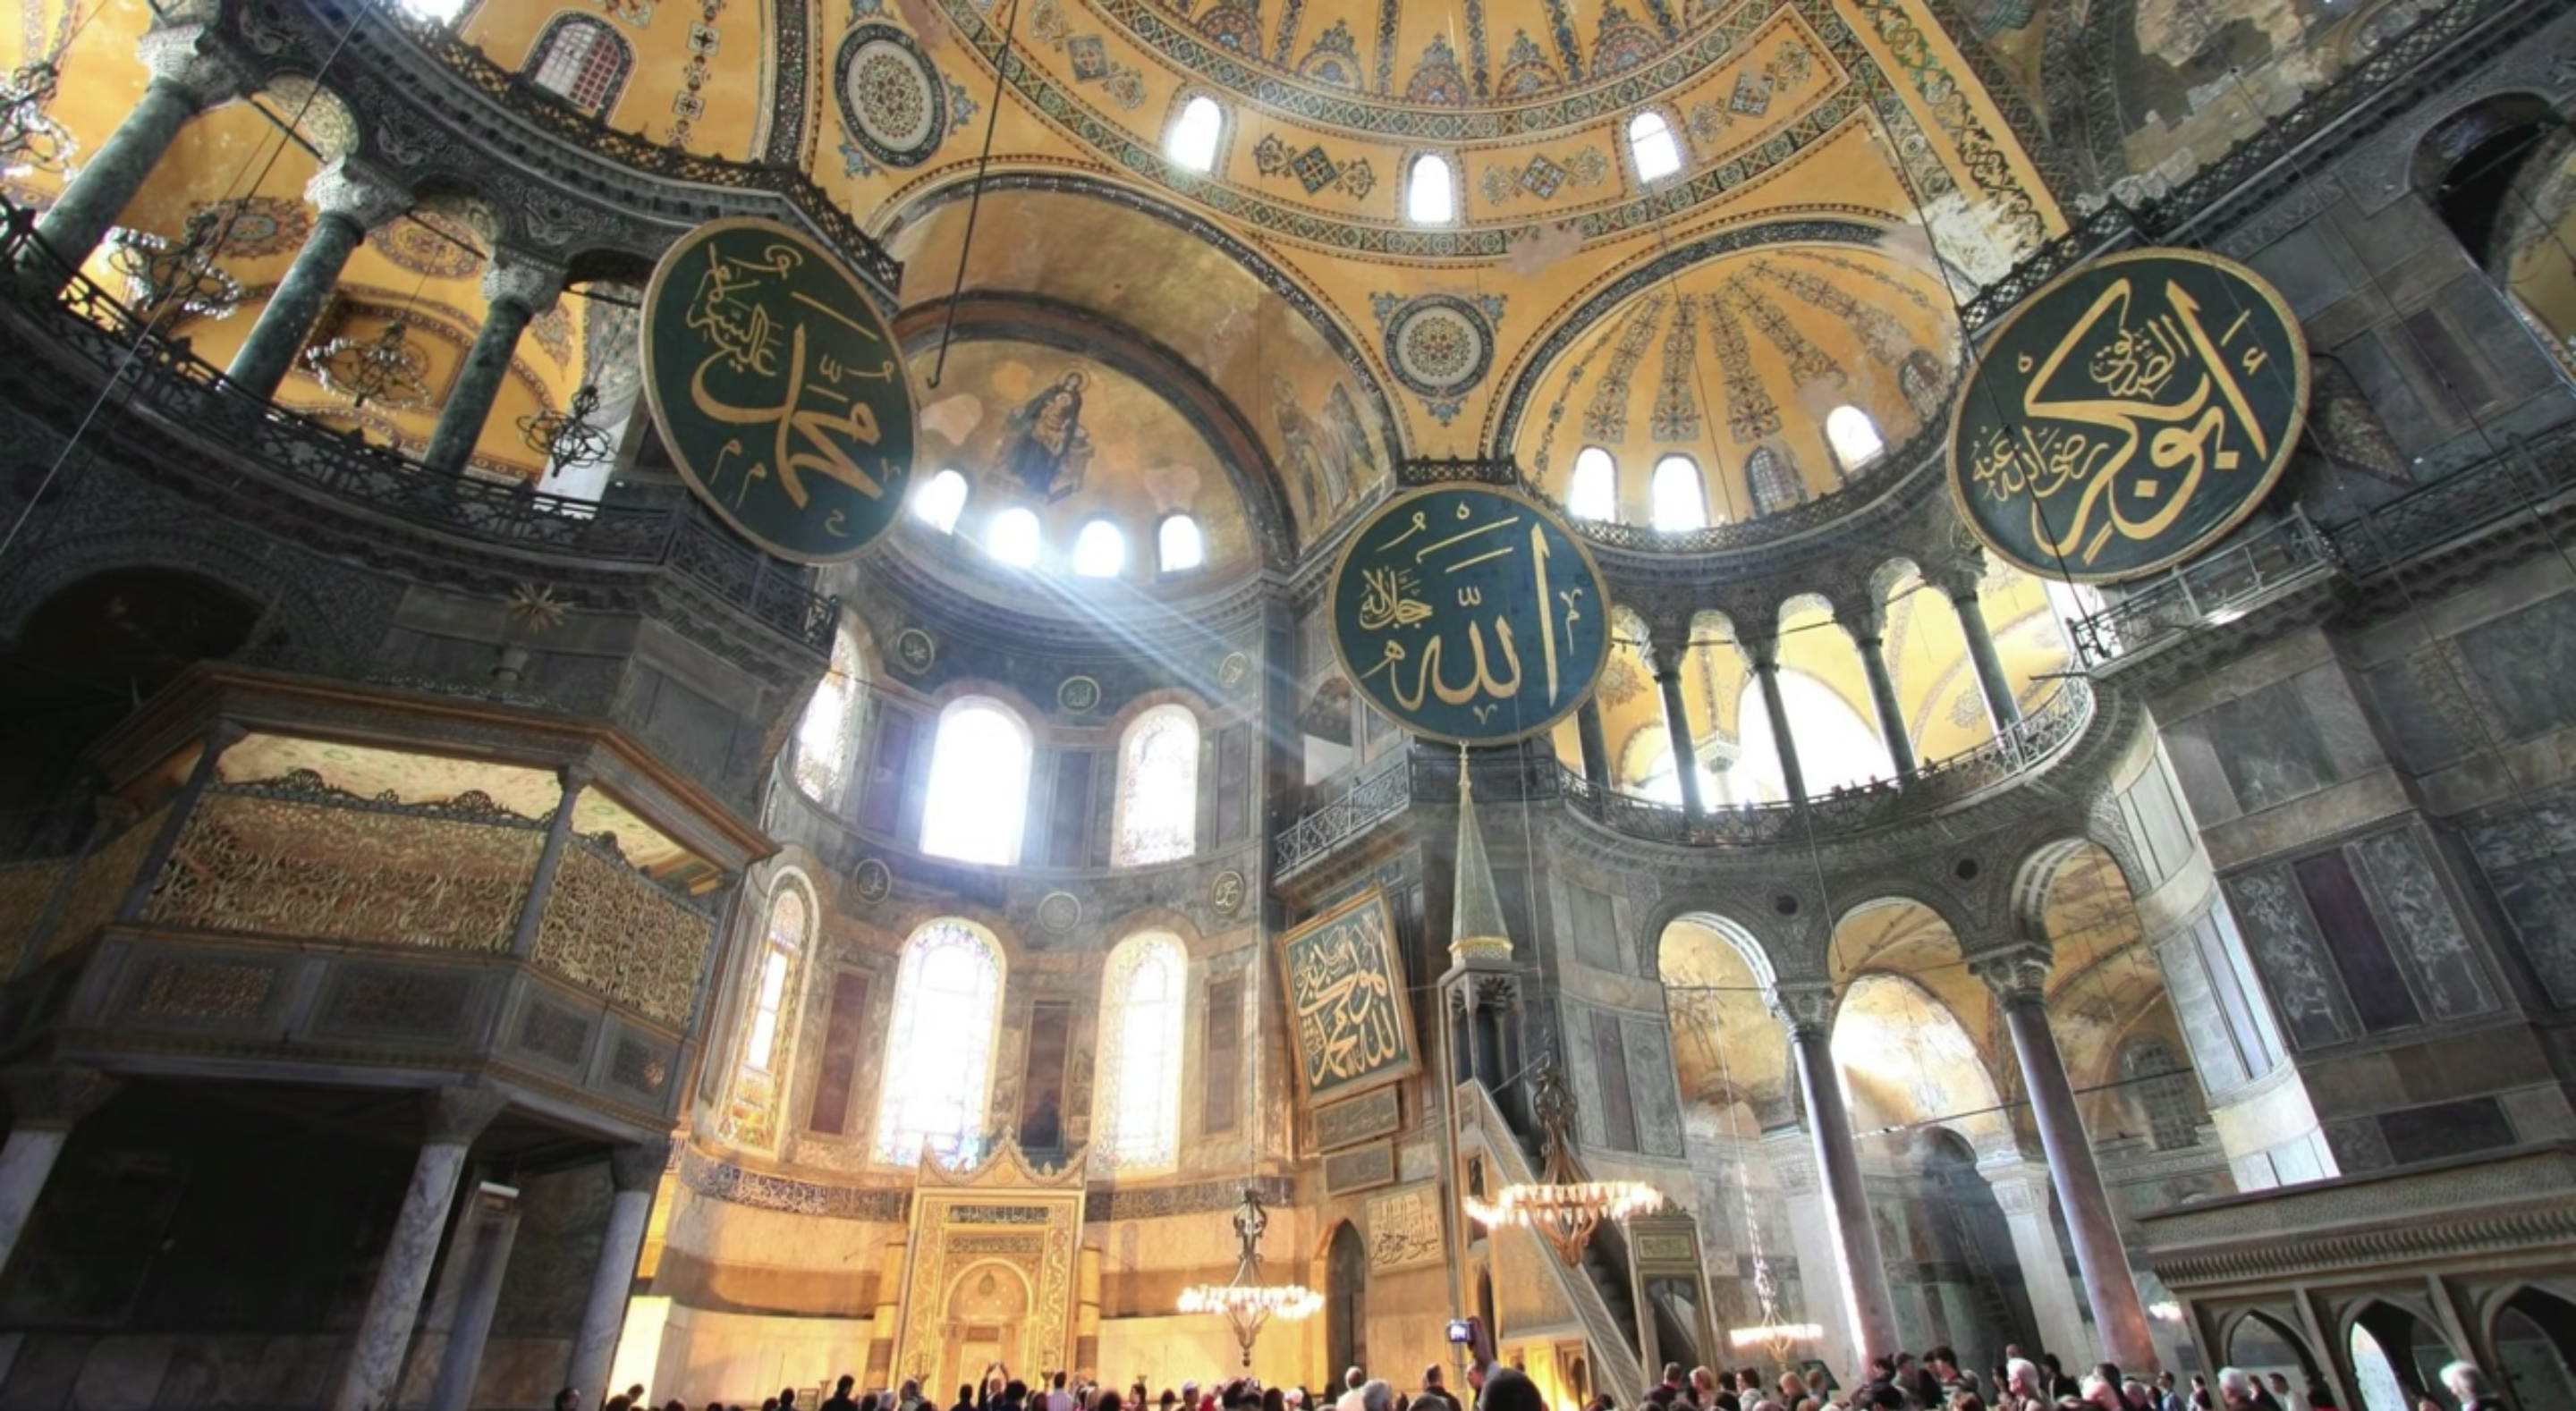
(1439, 345)
(1470, 614)
(778, 389)
(892, 100)
(2128, 416)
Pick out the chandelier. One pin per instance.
(386, 368)
(167, 280)
(30, 139)
(1779, 1338)
(1248, 1304)
(1562, 1206)
(570, 437)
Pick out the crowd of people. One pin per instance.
(1935, 1382)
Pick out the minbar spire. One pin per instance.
(1476, 930)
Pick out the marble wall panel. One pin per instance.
(2290, 955)
(2526, 854)
(2417, 914)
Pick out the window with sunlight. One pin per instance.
(939, 1050)
(437, 11)
(1593, 493)
(1158, 788)
(1099, 551)
(1178, 544)
(1650, 142)
(1680, 500)
(979, 784)
(1013, 537)
(1431, 191)
(1196, 134)
(751, 1111)
(828, 732)
(1854, 437)
(583, 62)
(1837, 748)
(1136, 1118)
(940, 500)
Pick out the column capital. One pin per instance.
(1957, 577)
(54, 1097)
(1761, 646)
(639, 1167)
(2017, 974)
(189, 58)
(1807, 1009)
(516, 277)
(455, 1116)
(356, 192)
(1865, 620)
(576, 777)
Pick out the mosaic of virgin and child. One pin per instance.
(1044, 445)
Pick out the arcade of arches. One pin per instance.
(475, 925)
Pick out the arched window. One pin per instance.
(1921, 380)
(2163, 1087)
(1196, 134)
(1136, 1119)
(939, 1050)
(1680, 501)
(435, 11)
(1593, 492)
(829, 729)
(1854, 437)
(1013, 537)
(1650, 142)
(979, 784)
(1430, 191)
(1772, 480)
(1099, 551)
(582, 61)
(940, 500)
(761, 1063)
(1179, 544)
(1158, 788)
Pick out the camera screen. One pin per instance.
(1460, 1331)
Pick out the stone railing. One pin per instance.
(1382, 791)
(159, 379)
(2530, 478)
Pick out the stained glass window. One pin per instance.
(584, 62)
(1593, 493)
(829, 729)
(1136, 1118)
(939, 1052)
(979, 784)
(1158, 788)
(761, 1065)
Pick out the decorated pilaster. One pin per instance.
(516, 288)
(348, 200)
(1808, 1013)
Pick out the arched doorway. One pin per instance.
(2397, 1358)
(2535, 1348)
(1346, 1300)
(2263, 1345)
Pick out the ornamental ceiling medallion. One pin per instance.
(778, 389)
(2129, 415)
(1470, 614)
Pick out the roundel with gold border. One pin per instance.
(2128, 415)
(778, 389)
(1469, 614)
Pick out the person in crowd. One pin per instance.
(1668, 1391)
(2465, 1381)
(1353, 1378)
(1435, 1396)
(840, 1399)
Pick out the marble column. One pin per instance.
(1596, 745)
(482, 1245)
(45, 1103)
(1765, 652)
(2018, 978)
(453, 1118)
(637, 1173)
(1808, 1012)
(541, 883)
(1867, 628)
(348, 200)
(516, 288)
(1959, 584)
(189, 75)
(1668, 678)
(2021, 1188)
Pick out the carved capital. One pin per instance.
(575, 778)
(1957, 576)
(1807, 1009)
(358, 193)
(517, 277)
(56, 1096)
(456, 1116)
(1761, 646)
(2018, 975)
(640, 1167)
(189, 58)
(1865, 618)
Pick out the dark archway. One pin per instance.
(2413, 1351)
(1346, 1300)
(1968, 1234)
(2535, 1348)
(2263, 1344)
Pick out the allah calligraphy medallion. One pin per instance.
(2128, 416)
(778, 389)
(1470, 614)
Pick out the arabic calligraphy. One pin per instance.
(1469, 614)
(1346, 1003)
(778, 389)
(2131, 414)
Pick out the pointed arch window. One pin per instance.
(1136, 1118)
(828, 733)
(1679, 497)
(1593, 492)
(1158, 788)
(940, 500)
(1099, 551)
(1179, 545)
(979, 784)
(582, 61)
(1854, 437)
(1430, 191)
(1197, 134)
(1651, 144)
(761, 1063)
(1014, 536)
(939, 1050)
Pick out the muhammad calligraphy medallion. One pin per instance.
(1347, 1013)
(778, 389)
(1470, 614)
(2128, 416)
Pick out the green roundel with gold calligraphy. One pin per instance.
(778, 389)
(1470, 614)
(2128, 415)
